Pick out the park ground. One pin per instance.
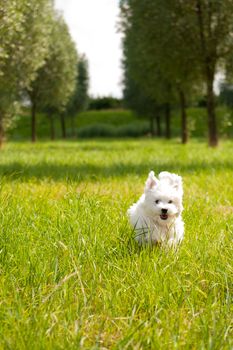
(71, 274)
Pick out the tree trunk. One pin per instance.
(212, 122)
(209, 65)
(33, 121)
(52, 127)
(152, 126)
(158, 125)
(1, 130)
(63, 125)
(167, 121)
(184, 121)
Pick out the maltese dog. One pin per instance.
(156, 217)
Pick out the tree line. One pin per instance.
(39, 65)
(172, 52)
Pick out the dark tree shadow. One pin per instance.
(83, 172)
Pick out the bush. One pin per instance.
(100, 103)
(105, 130)
(115, 117)
(97, 130)
(133, 130)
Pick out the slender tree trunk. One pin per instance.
(184, 121)
(52, 127)
(33, 121)
(212, 122)
(158, 125)
(152, 126)
(1, 129)
(167, 121)
(63, 125)
(209, 64)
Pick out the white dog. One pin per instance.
(156, 217)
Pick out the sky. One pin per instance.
(93, 27)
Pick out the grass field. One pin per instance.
(72, 276)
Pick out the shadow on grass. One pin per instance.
(89, 172)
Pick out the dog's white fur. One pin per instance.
(146, 216)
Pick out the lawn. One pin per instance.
(72, 276)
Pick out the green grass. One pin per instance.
(112, 117)
(72, 277)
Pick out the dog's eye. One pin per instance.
(157, 201)
(170, 202)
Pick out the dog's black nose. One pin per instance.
(164, 211)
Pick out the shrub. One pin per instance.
(97, 130)
(101, 103)
(133, 130)
(105, 130)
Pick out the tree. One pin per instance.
(140, 103)
(143, 86)
(209, 27)
(24, 33)
(183, 40)
(142, 57)
(55, 81)
(179, 66)
(80, 99)
(157, 55)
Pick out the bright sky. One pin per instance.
(93, 25)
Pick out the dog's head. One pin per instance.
(163, 196)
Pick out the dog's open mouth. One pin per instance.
(163, 216)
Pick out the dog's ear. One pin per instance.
(177, 183)
(151, 181)
(172, 179)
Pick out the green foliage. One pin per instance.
(113, 117)
(226, 95)
(56, 79)
(24, 31)
(23, 54)
(79, 101)
(72, 276)
(152, 59)
(136, 129)
(159, 68)
(136, 99)
(97, 130)
(108, 102)
(176, 46)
